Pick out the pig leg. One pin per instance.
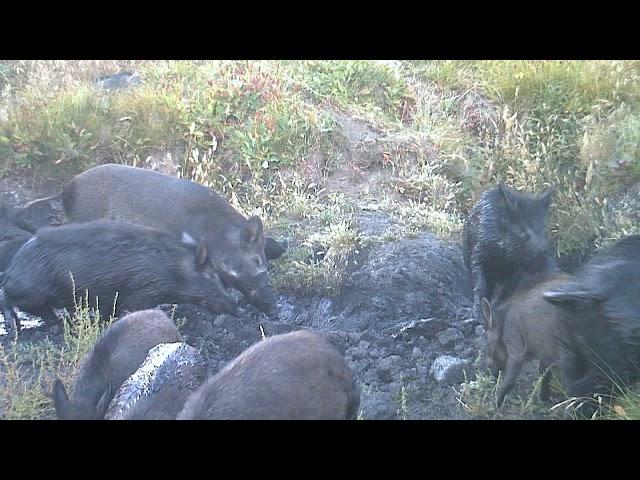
(511, 372)
(479, 290)
(587, 385)
(11, 320)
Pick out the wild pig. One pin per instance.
(505, 242)
(601, 306)
(117, 354)
(295, 376)
(144, 266)
(236, 244)
(526, 327)
(159, 389)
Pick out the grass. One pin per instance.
(268, 134)
(477, 397)
(28, 370)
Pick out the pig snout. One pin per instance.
(268, 305)
(222, 306)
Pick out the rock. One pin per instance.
(219, 321)
(120, 80)
(448, 370)
(379, 406)
(160, 387)
(426, 327)
(449, 336)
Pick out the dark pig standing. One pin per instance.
(601, 306)
(505, 242)
(144, 266)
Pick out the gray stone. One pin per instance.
(425, 327)
(448, 370)
(159, 388)
(219, 321)
(449, 336)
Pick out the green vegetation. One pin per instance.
(270, 134)
(28, 370)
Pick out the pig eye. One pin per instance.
(257, 262)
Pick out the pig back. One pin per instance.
(145, 197)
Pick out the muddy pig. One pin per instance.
(526, 327)
(602, 307)
(294, 376)
(145, 266)
(117, 354)
(237, 245)
(505, 242)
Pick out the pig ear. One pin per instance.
(252, 233)
(508, 197)
(60, 399)
(103, 403)
(546, 197)
(202, 254)
(486, 311)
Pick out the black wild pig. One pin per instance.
(117, 354)
(505, 242)
(236, 244)
(526, 327)
(159, 389)
(295, 376)
(145, 266)
(601, 305)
